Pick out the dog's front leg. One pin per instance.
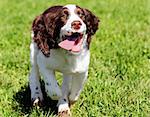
(34, 83)
(78, 80)
(63, 103)
(51, 86)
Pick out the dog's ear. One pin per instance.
(91, 22)
(45, 30)
(40, 35)
(51, 17)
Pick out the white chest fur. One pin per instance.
(65, 62)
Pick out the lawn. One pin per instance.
(119, 75)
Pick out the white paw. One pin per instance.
(37, 99)
(37, 102)
(64, 110)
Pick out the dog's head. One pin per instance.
(68, 27)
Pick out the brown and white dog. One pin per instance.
(61, 37)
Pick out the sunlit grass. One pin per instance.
(119, 73)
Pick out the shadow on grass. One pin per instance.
(22, 102)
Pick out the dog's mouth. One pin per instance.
(72, 42)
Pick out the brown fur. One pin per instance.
(91, 22)
(46, 29)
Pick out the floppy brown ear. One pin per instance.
(51, 17)
(91, 22)
(40, 35)
(44, 29)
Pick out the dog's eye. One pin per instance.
(65, 14)
(79, 14)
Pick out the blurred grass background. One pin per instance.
(119, 75)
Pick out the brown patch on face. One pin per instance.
(64, 15)
(79, 11)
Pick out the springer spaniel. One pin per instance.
(61, 37)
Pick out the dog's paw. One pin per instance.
(37, 98)
(37, 102)
(64, 110)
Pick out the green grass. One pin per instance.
(119, 75)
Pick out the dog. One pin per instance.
(61, 38)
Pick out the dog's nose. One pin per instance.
(76, 25)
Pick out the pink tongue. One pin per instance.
(77, 47)
(71, 45)
(66, 44)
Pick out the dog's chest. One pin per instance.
(65, 62)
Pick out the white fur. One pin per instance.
(34, 75)
(74, 68)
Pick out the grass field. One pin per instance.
(119, 75)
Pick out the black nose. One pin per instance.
(76, 25)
